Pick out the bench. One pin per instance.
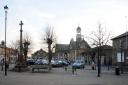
(33, 67)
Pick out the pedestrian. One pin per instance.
(2, 64)
(93, 65)
(73, 70)
(65, 67)
(7, 64)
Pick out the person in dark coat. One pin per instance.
(2, 64)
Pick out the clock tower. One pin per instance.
(78, 34)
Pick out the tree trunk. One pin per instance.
(49, 56)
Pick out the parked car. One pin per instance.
(59, 63)
(41, 61)
(78, 64)
(54, 63)
(65, 63)
(30, 62)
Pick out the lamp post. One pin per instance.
(5, 8)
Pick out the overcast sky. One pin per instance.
(64, 15)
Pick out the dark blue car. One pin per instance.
(30, 62)
(78, 64)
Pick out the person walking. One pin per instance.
(93, 65)
(2, 64)
(74, 70)
(65, 67)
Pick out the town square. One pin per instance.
(63, 42)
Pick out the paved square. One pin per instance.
(58, 76)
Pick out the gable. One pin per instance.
(61, 47)
(83, 45)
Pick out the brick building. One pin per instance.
(75, 49)
(120, 49)
(11, 54)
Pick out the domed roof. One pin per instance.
(78, 29)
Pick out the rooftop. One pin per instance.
(120, 36)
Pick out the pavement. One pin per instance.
(58, 76)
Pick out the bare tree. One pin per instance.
(27, 39)
(27, 45)
(100, 38)
(15, 45)
(49, 39)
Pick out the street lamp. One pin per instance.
(5, 8)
